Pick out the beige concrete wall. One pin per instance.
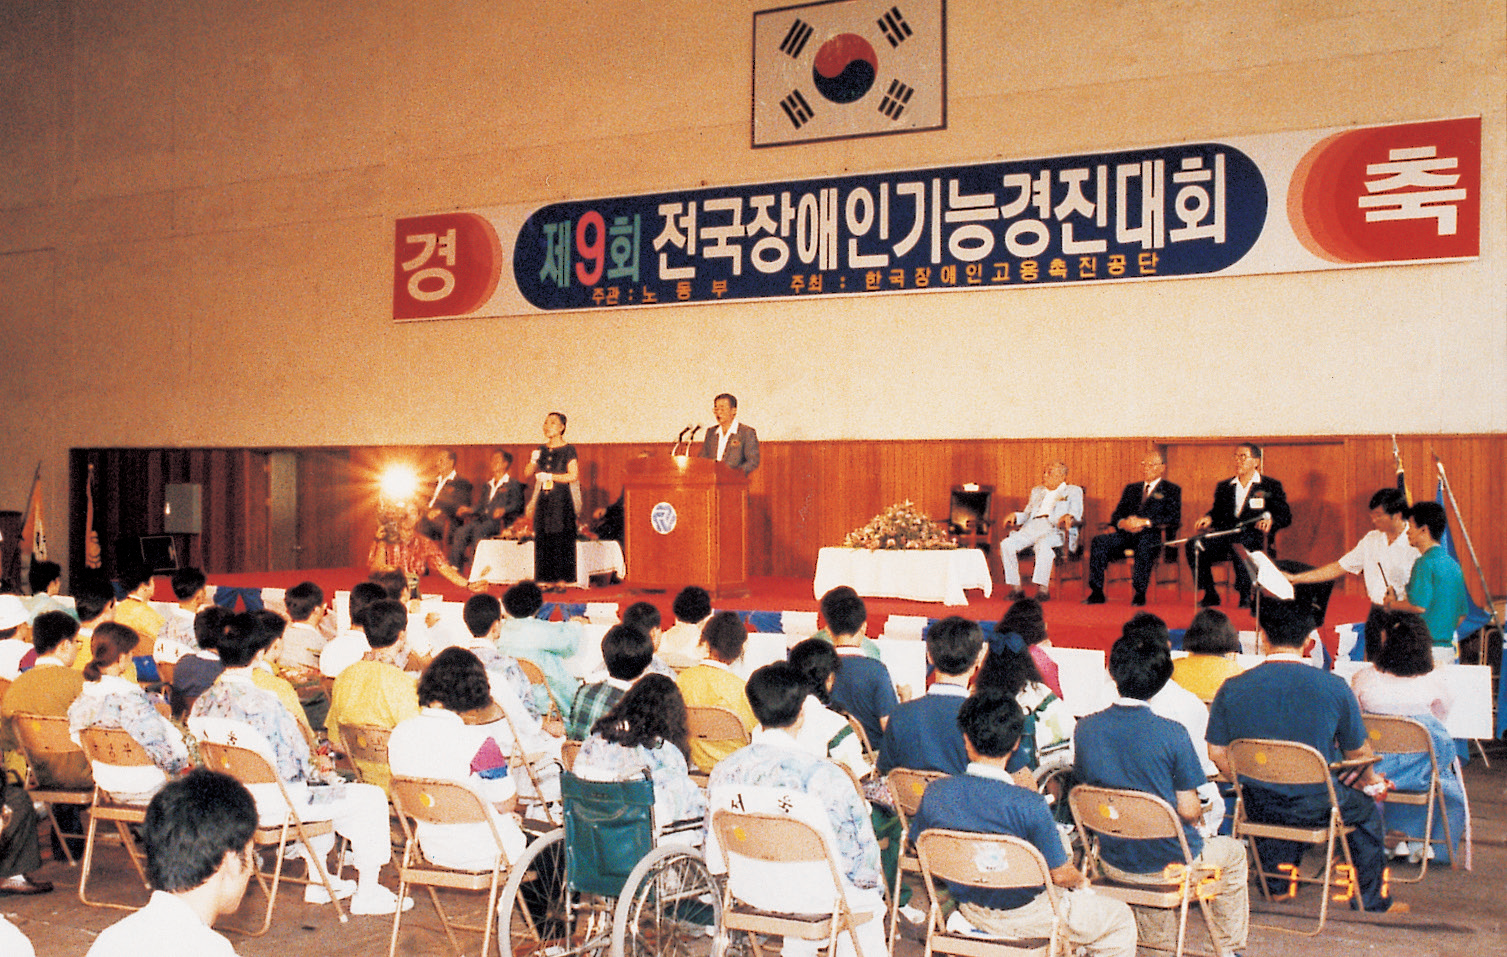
(196, 203)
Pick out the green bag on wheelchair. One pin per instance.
(609, 828)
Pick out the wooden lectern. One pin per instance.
(686, 523)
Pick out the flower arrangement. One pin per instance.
(900, 526)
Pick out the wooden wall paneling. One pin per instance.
(808, 495)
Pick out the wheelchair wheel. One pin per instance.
(537, 913)
(667, 907)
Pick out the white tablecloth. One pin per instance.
(501, 561)
(897, 573)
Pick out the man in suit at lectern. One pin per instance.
(730, 443)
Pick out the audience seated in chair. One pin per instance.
(985, 800)
(199, 856)
(110, 700)
(375, 691)
(177, 638)
(774, 761)
(645, 733)
(358, 811)
(626, 652)
(1287, 699)
(923, 733)
(714, 684)
(863, 687)
(1128, 746)
(548, 644)
(437, 743)
(681, 643)
(48, 688)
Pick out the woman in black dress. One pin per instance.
(553, 508)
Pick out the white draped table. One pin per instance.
(914, 574)
(501, 561)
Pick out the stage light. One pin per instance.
(398, 483)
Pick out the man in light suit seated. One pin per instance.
(1051, 518)
(773, 773)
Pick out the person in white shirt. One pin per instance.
(303, 640)
(1383, 558)
(1050, 519)
(199, 857)
(732, 444)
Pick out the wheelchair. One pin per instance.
(605, 884)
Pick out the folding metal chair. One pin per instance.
(1396, 735)
(1138, 816)
(366, 745)
(781, 839)
(433, 801)
(713, 726)
(554, 722)
(907, 786)
(116, 747)
(251, 769)
(1270, 762)
(44, 739)
(994, 861)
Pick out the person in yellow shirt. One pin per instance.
(136, 613)
(375, 691)
(1211, 644)
(94, 600)
(713, 683)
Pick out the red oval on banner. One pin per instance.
(443, 265)
(1391, 194)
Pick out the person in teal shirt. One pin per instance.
(1436, 589)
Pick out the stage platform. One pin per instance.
(1070, 623)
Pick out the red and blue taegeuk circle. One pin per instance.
(844, 68)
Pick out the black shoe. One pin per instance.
(24, 886)
(1139, 599)
(1043, 595)
(1095, 597)
(1016, 594)
(1209, 599)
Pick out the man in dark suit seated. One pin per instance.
(1147, 510)
(449, 495)
(1253, 507)
(501, 504)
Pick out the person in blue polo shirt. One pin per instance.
(923, 734)
(1436, 589)
(1128, 746)
(1287, 699)
(984, 800)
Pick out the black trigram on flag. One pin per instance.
(797, 109)
(895, 99)
(894, 27)
(795, 40)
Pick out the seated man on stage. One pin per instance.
(451, 492)
(1148, 509)
(1046, 522)
(1249, 509)
(732, 444)
(500, 506)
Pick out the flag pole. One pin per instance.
(1491, 606)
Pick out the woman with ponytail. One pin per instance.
(109, 700)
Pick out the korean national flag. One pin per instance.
(848, 68)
